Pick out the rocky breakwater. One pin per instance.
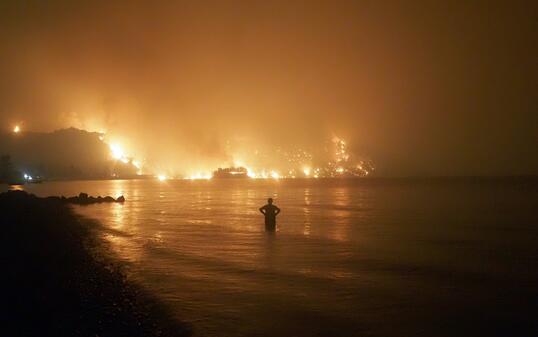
(85, 199)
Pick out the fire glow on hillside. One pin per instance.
(298, 163)
(118, 153)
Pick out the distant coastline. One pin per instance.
(371, 178)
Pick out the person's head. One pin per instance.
(270, 201)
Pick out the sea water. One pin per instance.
(350, 257)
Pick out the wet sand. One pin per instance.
(59, 278)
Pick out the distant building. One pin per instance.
(231, 172)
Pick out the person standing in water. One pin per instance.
(270, 212)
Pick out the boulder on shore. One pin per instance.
(85, 199)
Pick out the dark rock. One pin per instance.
(18, 195)
(72, 199)
(85, 199)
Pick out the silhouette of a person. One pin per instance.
(270, 212)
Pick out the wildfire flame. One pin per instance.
(199, 176)
(118, 153)
(301, 164)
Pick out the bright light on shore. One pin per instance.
(117, 151)
(162, 177)
(251, 174)
(198, 176)
(17, 129)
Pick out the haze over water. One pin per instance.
(396, 257)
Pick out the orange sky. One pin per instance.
(419, 88)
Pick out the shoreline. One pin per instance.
(60, 279)
(515, 177)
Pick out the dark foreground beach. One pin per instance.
(60, 280)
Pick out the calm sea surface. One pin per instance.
(440, 257)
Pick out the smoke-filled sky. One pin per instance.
(418, 87)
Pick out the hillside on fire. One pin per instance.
(62, 154)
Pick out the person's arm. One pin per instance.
(262, 210)
(277, 211)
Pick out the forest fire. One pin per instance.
(118, 153)
(335, 162)
(268, 168)
(200, 176)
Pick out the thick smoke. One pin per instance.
(418, 89)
